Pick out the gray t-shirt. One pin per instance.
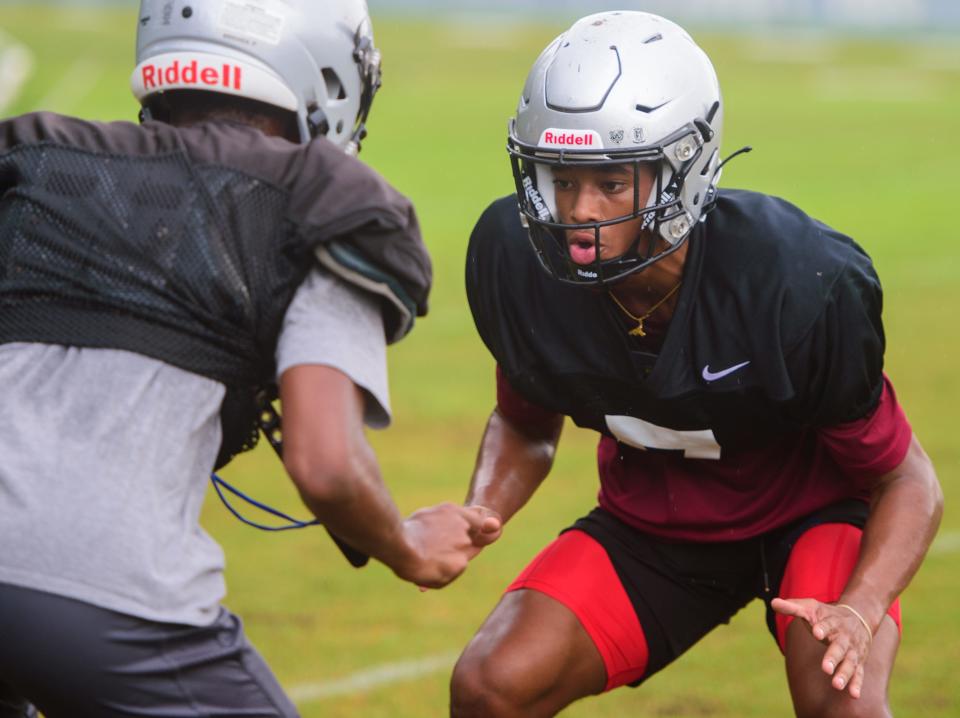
(105, 458)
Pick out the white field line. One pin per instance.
(72, 87)
(931, 56)
(371, 678)
(410, 670)
(938, 58)
(16, 64)
(790, 50)
(878, 84)
(483, 31)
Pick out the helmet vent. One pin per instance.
(335, 89)
(653, 38)
(648, 109)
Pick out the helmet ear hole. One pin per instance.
(335, 89)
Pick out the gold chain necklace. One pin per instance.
(637, 331)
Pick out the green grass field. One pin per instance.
(860, 132)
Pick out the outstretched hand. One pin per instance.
(444, 538)
(844, 633)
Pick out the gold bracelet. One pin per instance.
(856, 613)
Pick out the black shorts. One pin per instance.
(74, 660)
(675, 592)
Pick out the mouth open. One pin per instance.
(582, 250)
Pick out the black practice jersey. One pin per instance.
(776, 329)
(187, 244)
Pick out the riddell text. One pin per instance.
(192, 74)
(567, 138)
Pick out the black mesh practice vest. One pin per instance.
(130, 238)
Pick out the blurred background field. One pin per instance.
(858, 129)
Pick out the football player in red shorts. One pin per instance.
(728, 349)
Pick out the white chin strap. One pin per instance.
(666, 177)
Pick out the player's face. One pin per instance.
(595, 194)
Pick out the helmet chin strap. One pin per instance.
(666, 176)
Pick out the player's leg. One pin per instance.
(531, 657)
(810, 687)
(819, 566)
(599, 608)
(74, 660)
(534, 655)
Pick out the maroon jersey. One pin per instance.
(742, 493)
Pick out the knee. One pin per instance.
(842, 706)
(481, 688)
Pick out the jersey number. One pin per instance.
(642, 434)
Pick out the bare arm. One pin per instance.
(335, 470)
(512, 463)
(905, 512)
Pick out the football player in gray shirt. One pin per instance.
(159, 283)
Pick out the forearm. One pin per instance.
(359, 509)
(904, 516)
(511, 464)
(327, 456)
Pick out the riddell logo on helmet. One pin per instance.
(536, 200)
(552, 137)
(192, 73)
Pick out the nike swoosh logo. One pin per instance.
(713, 376)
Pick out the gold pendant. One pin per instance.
(638, 331)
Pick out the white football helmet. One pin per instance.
(624, 88)
(315, 58)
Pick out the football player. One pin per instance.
(156, 281)
(728, 349)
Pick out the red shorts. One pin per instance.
(819, 566)
(576, 571)
(645, 601)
